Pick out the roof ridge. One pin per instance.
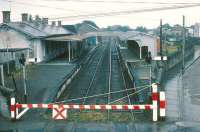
(16, 28)
(34, 27)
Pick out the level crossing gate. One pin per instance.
(59, 111)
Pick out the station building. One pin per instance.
(141, 43)
(36, 39)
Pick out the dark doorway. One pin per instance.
(144, 51)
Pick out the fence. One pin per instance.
(61, 109)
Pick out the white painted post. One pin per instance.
(12, 108)
(155, 101)
(96, 40)
(140, 52)
(69, 51)
(2, 76)
(162, 104)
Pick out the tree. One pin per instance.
(118, 28)
(141, 29)
(166, 26)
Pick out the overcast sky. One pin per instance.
(66, 8)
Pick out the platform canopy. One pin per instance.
(65, 38)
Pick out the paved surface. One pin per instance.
(128, 55)
(191, 85)
(171, 89)
(63, 126)
(43, 79)
(140, 71)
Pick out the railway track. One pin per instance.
(81, 83)
(128, 101)
(101, 74)
(100, 82)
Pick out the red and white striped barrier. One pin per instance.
(155, 101)
(59, 111)
(162, 104)
(86, 107)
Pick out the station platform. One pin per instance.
(139, 70)
(43, 79)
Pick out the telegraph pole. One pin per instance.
(183, 46)
(182, 105)
(8, 60)
(161, 54)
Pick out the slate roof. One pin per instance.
(37, 30)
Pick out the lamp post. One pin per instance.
(161, 54)
(22, 60)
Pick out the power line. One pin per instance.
(43, 6)
(103, 94)
(112, 13)
(125, 2)
(94, 15)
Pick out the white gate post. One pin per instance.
(162, 104)
(12, 108)
(155, 101)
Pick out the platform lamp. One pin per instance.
(22, 61)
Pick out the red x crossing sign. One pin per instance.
(59, 113)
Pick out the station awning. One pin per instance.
(65, 38)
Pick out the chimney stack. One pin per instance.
(24, 17)
(30, 18)
(53, 23)
(6, 16)
(45, 21)
(59, 23)
(37, 20)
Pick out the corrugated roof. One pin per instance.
(37, 30)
